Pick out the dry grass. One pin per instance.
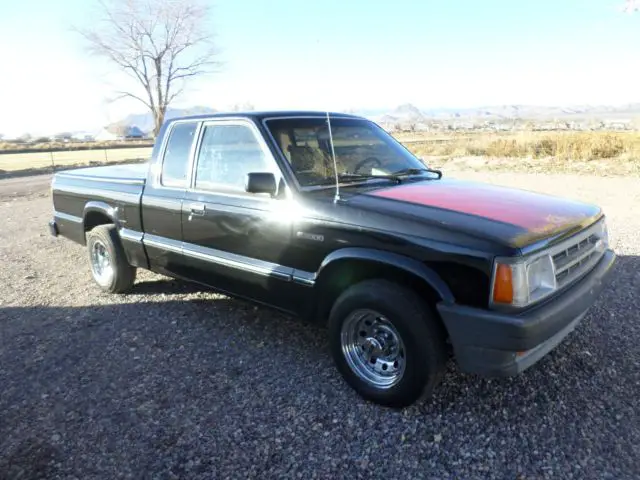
(13, 147)
(592, 153)
(15, 162)
(566, 146)
(601, 153)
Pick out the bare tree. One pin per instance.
(161, 44)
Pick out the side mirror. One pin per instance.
(261, 182)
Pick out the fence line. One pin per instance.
(48, 161)
(15, 164)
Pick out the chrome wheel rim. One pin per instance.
(101, 266)
(373, 348)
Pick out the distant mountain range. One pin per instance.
(410, 113)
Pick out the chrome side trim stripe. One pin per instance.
(67, 217)
(130, 235)
(231, 260)
(265, 269)
(159, 242)
(301, 277)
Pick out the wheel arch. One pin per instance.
(123, 274)
(345, 267)
(97, 213)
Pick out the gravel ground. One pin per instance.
(173, 381)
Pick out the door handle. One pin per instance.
(196, 209)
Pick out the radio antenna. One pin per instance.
(333, 155)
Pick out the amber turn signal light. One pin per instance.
(503, 284)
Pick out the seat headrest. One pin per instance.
(304, 158)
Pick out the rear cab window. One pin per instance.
(177, 154)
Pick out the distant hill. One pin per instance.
(410, 113)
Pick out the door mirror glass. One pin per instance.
(261, 182)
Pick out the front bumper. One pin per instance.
(493, 343)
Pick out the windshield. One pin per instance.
(362, 150)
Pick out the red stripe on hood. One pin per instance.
(521, 208)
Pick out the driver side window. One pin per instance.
(227, 154)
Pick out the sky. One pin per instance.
(336, 55)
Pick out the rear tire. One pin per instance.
(108, 261)
(387, 343)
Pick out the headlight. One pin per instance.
(523, 282)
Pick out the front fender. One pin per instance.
(396, 260)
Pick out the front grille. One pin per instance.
(577, 255)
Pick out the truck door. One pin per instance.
(233, 240)
(163, 196)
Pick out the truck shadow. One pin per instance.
(124, 364)
(168, 286)
(45, 343)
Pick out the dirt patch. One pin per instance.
(547, 165)
(175, 381)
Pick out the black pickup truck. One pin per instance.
(328, 217)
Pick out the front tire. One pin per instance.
(108, 261)
(387, 343)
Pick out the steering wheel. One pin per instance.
(375, 162)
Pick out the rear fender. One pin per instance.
(132, 243)
(105, 212)
(102, 208)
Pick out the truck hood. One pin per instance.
(514, 217)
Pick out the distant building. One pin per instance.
(83, 137)
(119, 132)
(63, 137)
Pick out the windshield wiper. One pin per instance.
(352, 177)
(364, 175)
(416, 171)
(395, 176)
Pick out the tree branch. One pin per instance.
(122, 95)
(160, 44)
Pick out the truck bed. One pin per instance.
(83, 197)
(134, 172)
